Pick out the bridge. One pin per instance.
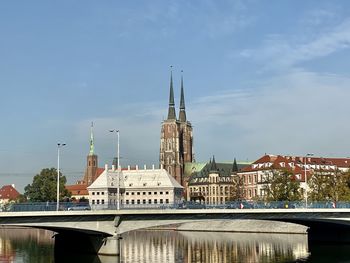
(99, 231)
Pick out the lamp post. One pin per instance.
(59, 145)
(306, 186)
(118, 168)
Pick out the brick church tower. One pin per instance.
(92, 164)
(176, 139)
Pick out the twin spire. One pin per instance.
(171, 110)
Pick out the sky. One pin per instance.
(259, 77)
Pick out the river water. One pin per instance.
(33, 245)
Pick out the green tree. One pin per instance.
(281, 185)
(236, 192)
(44, 186)
(330, 186)
(21, 199)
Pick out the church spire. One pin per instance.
(213, 165)
(171, 110)
(182, 114)
(92, 146)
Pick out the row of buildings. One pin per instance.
(178, 177)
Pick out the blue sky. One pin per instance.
(260, 77)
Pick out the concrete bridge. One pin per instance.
(99, 231)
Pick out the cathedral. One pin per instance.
(176, 140)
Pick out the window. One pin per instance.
(103, 201)
(155, 201)
(127, 193)
(98, 193)
(102, 193)
(155, 193)
(127, 202)
(149, 193)
(98, 201)
(132, 193)
(138, 202)
(150, 201)
(93, 193)
(132, 202)
(144, 201)
(160, 193)
(144, 193)
(138, 193)
(167, 201)
(93, 202)
(161, 201)
(166, 192)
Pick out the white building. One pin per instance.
(138, 188)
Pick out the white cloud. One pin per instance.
(293, 114)
(283, 51)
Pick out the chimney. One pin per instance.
(106, 167)
(137, 167)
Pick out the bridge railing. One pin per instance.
(43, 206)
(51, 206)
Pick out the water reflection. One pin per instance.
(193, 247)
(26, 245)
(33, 245)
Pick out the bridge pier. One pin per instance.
(72, 242)
(110, 246)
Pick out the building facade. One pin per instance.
(254, 177)
(138, 187)
(176, 139)
(214, 183)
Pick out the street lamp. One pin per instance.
(118, 168)
(306, 186)
(59, 145)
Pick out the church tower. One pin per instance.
(176, 138)
(91, 166)
(186, 134)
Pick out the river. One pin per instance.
(34, 245)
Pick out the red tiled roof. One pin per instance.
(77, 189)
(99, 171)
(294, 163)
(8, 192)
